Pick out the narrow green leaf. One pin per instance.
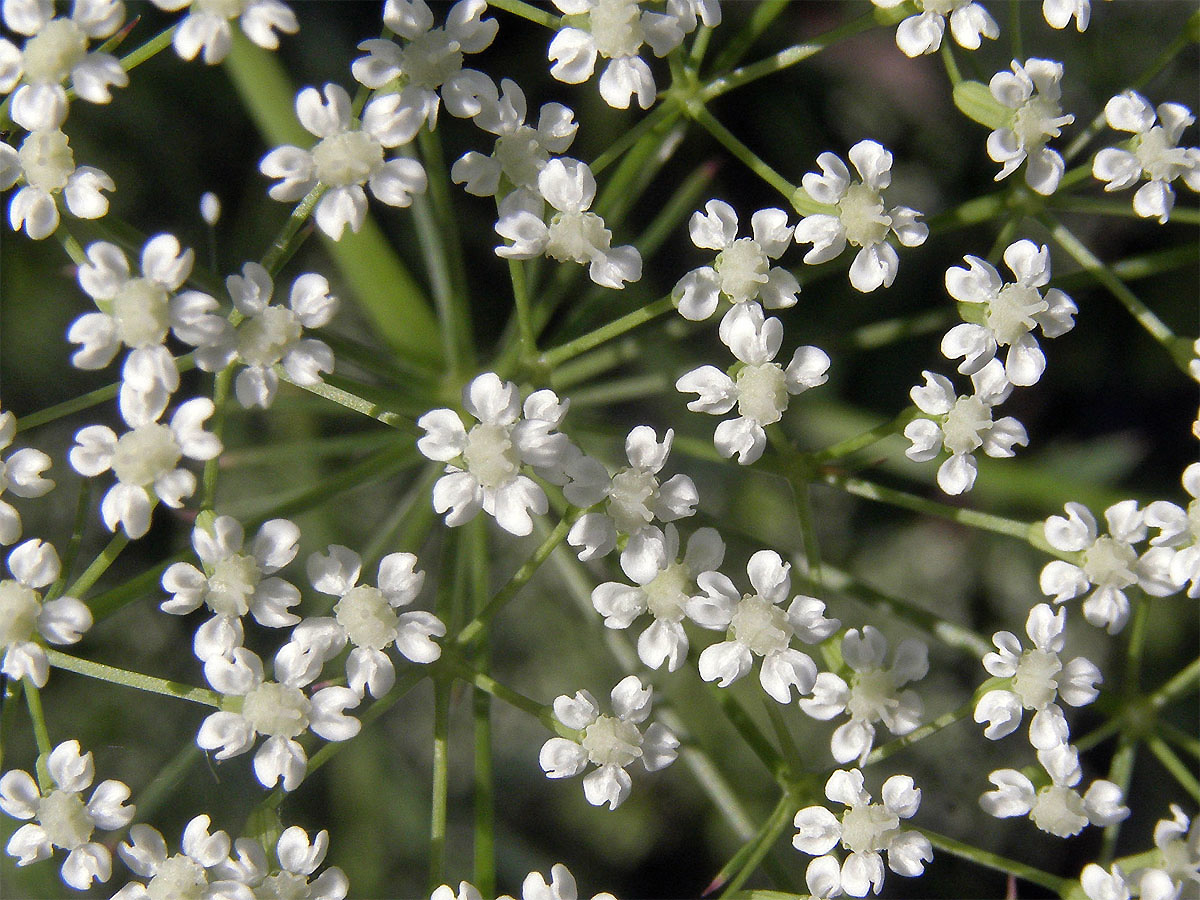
(976, 102)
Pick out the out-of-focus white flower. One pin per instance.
(47, 166)
(1059, 13)
(865, 829)
(609, 742)
(760, 388)
(1008, 313)
(1152, 153)
(1032, 91)
(62, 818)
(20, 474)
(206, 26)
(183, 875)
(561, 887)
(298, 859)
(922, 33)
(860, 219)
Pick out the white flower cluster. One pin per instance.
(562, 886)
(20, 474)
(1174, 873)
(205, 29)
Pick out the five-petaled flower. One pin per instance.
(1031, 92)
(20, 474)
(47, 166)
(206, 26)
(922, 33)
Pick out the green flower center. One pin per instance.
(611, 741)
(51, 54)
(863, 216)
(19, 609)
(367, 617)
(761, 626)
(46, 160)
(144, 454)
(762, 393)
(277, 710)
(65, 818)
(346, 158)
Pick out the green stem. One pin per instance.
(99, 565)
(1183, 680)
(33, 699)
(1189, 743)
(347, 399)
(997, 862)
(883, 751)
(1183, 773)
(533, 14)
(221, 386)
(799, 200)
(148, 50)
(527, 348)
(754, 739)
(865, 439)
(1120, 773)
(441, 784)
(616, 328)
(951, 64)
(1180, 350)
(1095, 207)
(289, 238)
(135, 680)
(71, 552)
(489, 685)
(773, 827)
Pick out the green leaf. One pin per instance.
(976, 102)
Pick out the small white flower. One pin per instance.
(756, 625)
(1038, 677)
(1056, 808)
(962, 424)
(1004, 315)
(742, 270)
(1152, 153)
(145, 460)
(759, 388)
(860, 218)
(609, 742)
(347, 157)
(280, 710)
(57, 49)
(1107, 564)
(873, 694)
(139, 312)
(25, 616)
(614, 30)
(1100, 885)
(662, 586)
(1178, 845)
(183, 875)
(1059, 13)
(573, 234)
(206, 26)
(298, 859)
(62, 819)
(485, 462)
(922, 33)
(1175, 551)
(271, 334)
(367, 617)
(562, 886)
(865, 829)
(521, 151)
(234, 583)
(1032, 91)
(430, 59)
(633, 498)
(46, 165)
(20, 474)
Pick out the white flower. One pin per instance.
(662, 586)
(860, 217)
(962, 425)
(145, 460)
(62, 818)
(485, 470)
(1038, 677)
(873, 694)
(138, 312)
(24, 616)
(756, 625)
(742, 270)
(865, 829)
(614, 30)
(521, 151)
(1178, 846)
(633, 498)
(1004, 315)
(298, 859)
(609, 742)
(20, 474)
(1107, 564)
(234, 583)
(57, 49)
(1059, 13)
(47, 166)
(1032, 92)
(1152, 153)
(430, 59)
(759, 388)
(562, 886)
(922, 33)
(347, 157)
(573, 234)
(1176, 548)
(270, 335)
(1056, 808)
(279, 710)
(206, 26)
(367, 617)
(182, 875)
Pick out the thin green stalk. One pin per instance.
(349, 400)
(663, 113)
(750, 159)
(527, 347)
(760, 20)
(99, 565)
(530, 12)
(489, 685)
(221, 384)
(749, 732)
(1095, 207)
(474, 629)
(1014, 28)
(951, 64)
(552, 358)
(33, 699)
(861, 441)
(1179, 349)
(441, 784)
(293, 233)
(1120, 773)
(621, 390)
(1185, 256)
(75, 542)
(1182, 772)
(790, 753)
(484, 788)
(780, 818)
(155, 794)
(1182, 681)
(1187, 742)
(945, 720)
(1032, 533)
(135, 680)
(148, 50)
(999, 863)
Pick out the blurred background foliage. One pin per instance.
(1110, 419)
